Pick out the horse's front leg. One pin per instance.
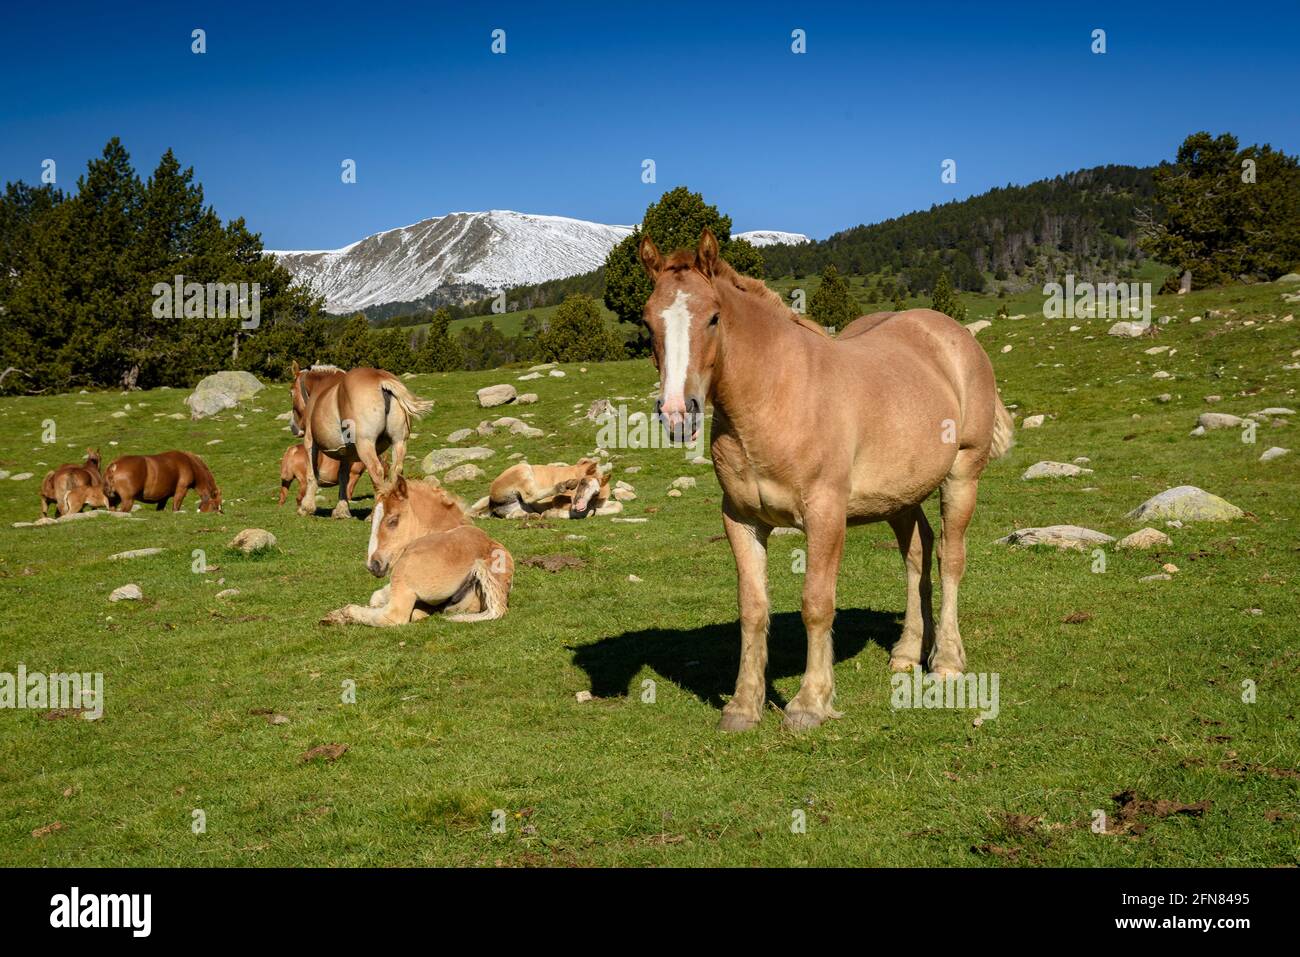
(749, 546)
(824, 526)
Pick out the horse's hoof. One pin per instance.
(341, 510)
(336, 617)
(799, 719)
(945, 671)
(737, 721)
(903, 664)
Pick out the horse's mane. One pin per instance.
(684, 259)
(323, 367)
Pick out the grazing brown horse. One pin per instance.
(818, 433)
(440, 563)
(156, 478)
(293, 465)
(349, 416)
(70, 487)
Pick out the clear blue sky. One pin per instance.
(852, 131)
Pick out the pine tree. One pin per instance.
(355, 345)
(440, 351)
(832, 304)
(945, 300)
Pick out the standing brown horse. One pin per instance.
(349, 416)
(156, 478)
(818, 433)
(71, 487)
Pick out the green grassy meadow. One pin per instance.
(452, 722)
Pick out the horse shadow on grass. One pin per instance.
(704, 661)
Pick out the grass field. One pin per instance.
(454, 721)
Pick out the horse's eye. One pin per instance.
(714, 320)
(392, 522)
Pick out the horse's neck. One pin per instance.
(755, 335)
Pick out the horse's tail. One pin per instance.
(411, 404)
(493, 586)
(1004, 430)
(480, 508)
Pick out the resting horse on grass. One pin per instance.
(440, 563)
(70, 487)
(818, 433)
(349, 416)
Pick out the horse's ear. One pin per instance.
(399, 486)
(706, 253)
(650, 258)
(295, 369)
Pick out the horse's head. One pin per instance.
(210, 502)
(405, 511)
(92, 459)
(297, 402)
(589, 485)
(682, 315)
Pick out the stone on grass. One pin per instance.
(1143, 538)
(1186, 503)
(1129, 330)
(528, 398)
(440, 459)
(252, 540)
(460, 435)
(1053, 470)
(1033, 422)
(684, 481)
(1218, 420)
(978, 326)
(464, 473)
(221, 391)
(1276, 452)
(1060, 536)
(228, 593)
(1161, 577)
(129, 592)
(494, 395)
(134, 553)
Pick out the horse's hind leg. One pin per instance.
(957, 504)
(311, 483)
(813, 704)
(915, 542)
(344, 507)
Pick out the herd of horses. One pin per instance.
(810, 431)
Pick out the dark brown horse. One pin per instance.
(70, 487)
(157, 478)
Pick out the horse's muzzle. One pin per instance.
(682, 427)
(377, 567)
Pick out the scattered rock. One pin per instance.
(1033, 422)
(1164, 398)
(583, 697)
(1156, 350)
(134, 553)
(1129, 330)
(129, 592)
(228, 593)
(252, 540)
(529, 376)
(674, 493)
(1186, 503)
(463, 473)
(460, 435)
(221, 391)
(978, 326)
(1060, 536)
(1274, 453)
(684, 481)
(441, 459)
(1218, 420)
(1143, 539)
(556, 374)
(1053, 470)
(20, 477)
(528, 398)
(1160, 577)
(635, 579)
(494, 395)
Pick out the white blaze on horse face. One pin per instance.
(375, 521)
(677, 352)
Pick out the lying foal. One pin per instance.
(440, 563)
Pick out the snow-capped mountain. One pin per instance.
(480, 252)
(770, 237)
(463, 256)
